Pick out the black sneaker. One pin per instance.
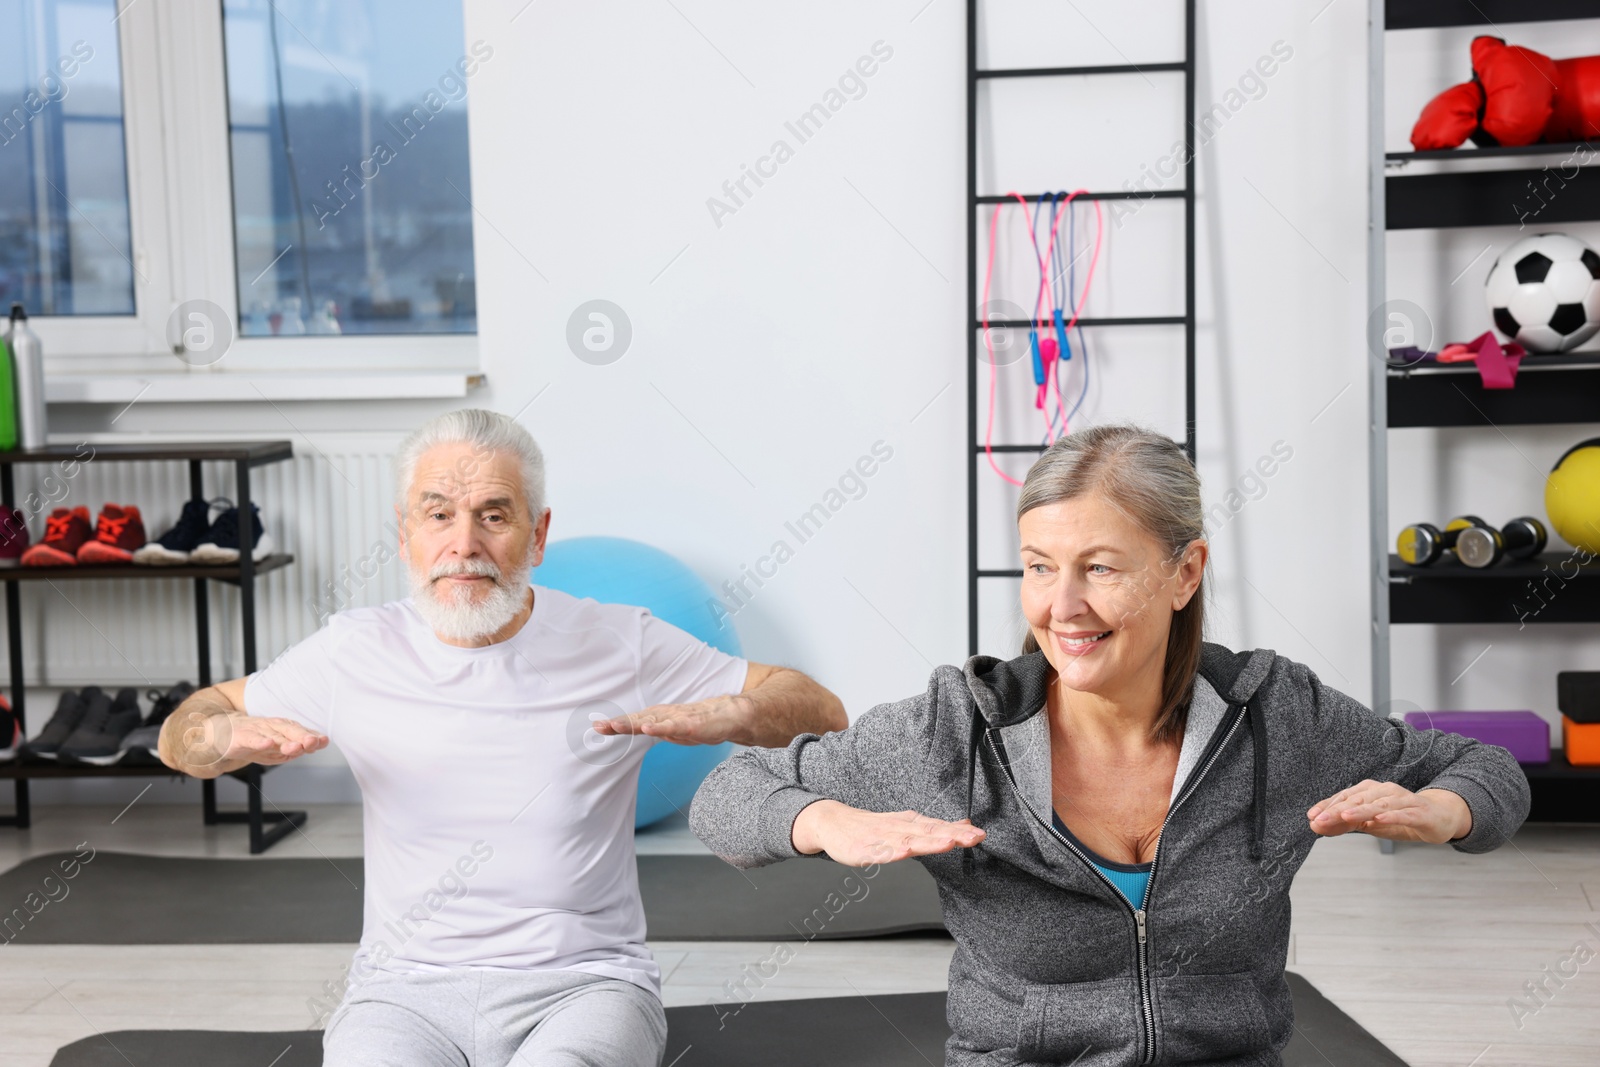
(105, 722)
(139, 747)
(221, 542)
(69, 709)
(174, 546)
(10, 732)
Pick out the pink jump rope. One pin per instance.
(1048, 351)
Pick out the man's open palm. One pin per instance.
(213, 739)
(705, 722)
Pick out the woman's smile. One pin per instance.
(1082, 642)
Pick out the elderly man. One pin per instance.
(496, 730)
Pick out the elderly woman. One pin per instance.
(1113, 817)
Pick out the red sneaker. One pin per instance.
(64, 531)
(118, 533)
(13, 538)
(10, 732)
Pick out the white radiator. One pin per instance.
(331, 506)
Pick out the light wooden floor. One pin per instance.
(1425, 947)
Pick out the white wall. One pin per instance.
(770, 351)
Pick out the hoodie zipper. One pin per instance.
(1147, 1014)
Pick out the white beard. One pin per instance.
(455, 614)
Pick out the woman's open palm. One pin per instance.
(859, 838)
(1387, 809)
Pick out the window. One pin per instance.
(348, 128)
(65, 241)
(301, 166)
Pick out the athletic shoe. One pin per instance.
(139, 747)
(221, 543)
(13, 536)
(65, 531)
(117, 534)
(69, 710)
(174, 546)
(105, 722)
(10, 732)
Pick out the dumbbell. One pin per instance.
(1422, 543)
(1484, 546)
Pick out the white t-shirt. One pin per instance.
(498, 825)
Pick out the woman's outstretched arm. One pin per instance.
(745, 810)
(1389, 779)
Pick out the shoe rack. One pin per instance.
(265, 827)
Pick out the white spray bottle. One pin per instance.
(28, 357)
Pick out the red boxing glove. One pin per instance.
(1522, 97)
(1449, 119)
(1519, 87)
(1576, 115)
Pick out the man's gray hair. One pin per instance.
(485, 432)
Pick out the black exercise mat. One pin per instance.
(194, 1048)
(1323, 1030)
(909, 1030)
(120, 898)
(701, 898)
(893, 1030)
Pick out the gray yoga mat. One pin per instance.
(894, 1030)
(700, 898)
(120, 898)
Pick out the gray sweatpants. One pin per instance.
(484, 1018)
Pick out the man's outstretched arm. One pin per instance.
(210, 734)
(776, 705)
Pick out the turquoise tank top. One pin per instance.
(1130, 878)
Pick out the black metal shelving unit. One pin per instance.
(1549, 588)
(1550, 389)
(244, 455)
(1564, 148)
(1427, 14)
(1487, 197)
(975, 448)
(1552, 588)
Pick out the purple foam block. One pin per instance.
(1524, 734)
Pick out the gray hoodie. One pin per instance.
(1052, 964)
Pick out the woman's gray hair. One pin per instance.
(485, 432)
(1150, 479)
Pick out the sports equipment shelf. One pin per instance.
(1423, 14)
(1562, 792)
(1551, 588)
(1489, 198)
(975, 448)
(1545, 393)
(244, 455)
(1565, 148)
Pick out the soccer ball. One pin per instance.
(1544, 292)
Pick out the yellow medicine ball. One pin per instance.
(1572, 496)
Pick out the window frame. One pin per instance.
(180, 200)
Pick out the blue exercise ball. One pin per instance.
(615, 570)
